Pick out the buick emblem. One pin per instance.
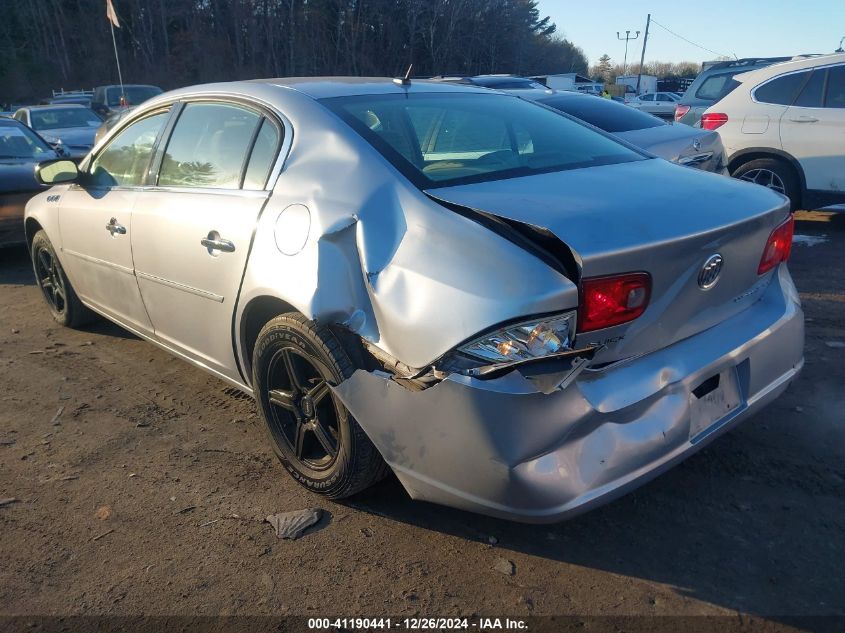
(709, 274)
(696, 144)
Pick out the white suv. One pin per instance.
(784, 127)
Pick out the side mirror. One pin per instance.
(54, 172)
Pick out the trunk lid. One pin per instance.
(648, 216)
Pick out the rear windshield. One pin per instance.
(716, 86)
(61, 118)
(507, 83)
(441, 139)
(605, 114)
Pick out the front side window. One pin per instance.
(781, 90)
(208, 146)
(835, 88)
(125, 160)
(444, 139)
(648, 98)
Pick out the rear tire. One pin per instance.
(62, 300)
(774, 174)
(314, 436)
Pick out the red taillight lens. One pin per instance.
(713, 120)
(608, 301)
(680, 111)
(778, 247)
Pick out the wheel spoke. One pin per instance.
(292, 371)
(318, 392)
(324, 439)
(283, 399)
(45, 258)
(299, 440)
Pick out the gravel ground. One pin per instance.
(142, 485)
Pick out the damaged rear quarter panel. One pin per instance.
(405, 273)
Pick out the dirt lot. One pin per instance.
(147, 492)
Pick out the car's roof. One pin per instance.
(327, 87)
(789, 66)
(55, 106)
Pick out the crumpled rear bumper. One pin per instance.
(502, 448)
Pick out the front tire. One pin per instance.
(65, 306)
(774, 174)
(314, 436)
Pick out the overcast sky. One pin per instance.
(745, 28)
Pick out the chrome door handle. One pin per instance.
(115, 227)
(804, 119)
(218, 244)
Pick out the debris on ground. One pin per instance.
(186, 509)
(291, 525)
(99, 536)
(7, 442)
(492, 540)
(55, 419)
(504, 566)
(10, 500)
(103, 513)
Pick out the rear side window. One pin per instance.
(125, 160)
(263, 156)
(781, 90)
(811, 94)
(208, 146)
(716, 86)
(835, 88)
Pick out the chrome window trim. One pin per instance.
(239, 193)
(268, 110)
(811, 69)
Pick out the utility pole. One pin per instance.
(642, 56)
(627, 39)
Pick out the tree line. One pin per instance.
(605, 70)
(50, 44)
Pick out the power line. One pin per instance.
(704, 48)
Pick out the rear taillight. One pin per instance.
(778, 246)
(609, 301)
(713, 120)
(680, 111)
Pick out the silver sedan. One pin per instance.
(443, 281)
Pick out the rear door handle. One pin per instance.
(218, 244)
(804, 119)
(115, 227)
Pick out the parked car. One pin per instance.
(108, 100)
(660, 104)
(517, 313)
(21, 150)
(784, 127)
(68, 128)
(714, 83)
(680, 144)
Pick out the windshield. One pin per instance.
(605, 114)
(16, 141)
(63, 118)
(440, 139)
(134, 94)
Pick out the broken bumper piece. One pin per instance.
(500, 446)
